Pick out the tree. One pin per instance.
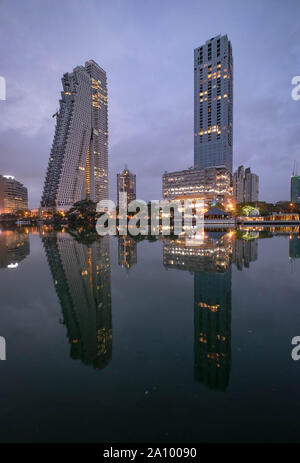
(248, 210)
(82, 213)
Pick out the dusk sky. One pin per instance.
(146, 49)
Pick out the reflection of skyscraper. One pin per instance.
(211, 264)
(244, 252)
(14, 247)
(81, 276)
(127, 252)
(212, 324)
(294, 247)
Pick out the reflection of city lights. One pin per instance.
(13, 265)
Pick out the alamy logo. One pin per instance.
(2, 88)
(135, 216)
(2, 348)
(295, 352)
(295, 94)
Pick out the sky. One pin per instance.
(146, 48)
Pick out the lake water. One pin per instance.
(115, 340)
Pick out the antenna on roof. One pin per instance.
(295, 169)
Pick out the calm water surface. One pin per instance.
(117, 340)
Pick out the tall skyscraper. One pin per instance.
(245, 185)
(251, 186)
(238, 181)
(295, 189)
(13, 195)
(126, 182)
(213, 76)
(78, 164)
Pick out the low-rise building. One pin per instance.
(211, 184)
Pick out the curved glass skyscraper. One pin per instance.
(78, 164)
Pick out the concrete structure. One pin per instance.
(213, 78)
(210, 184)
(245, 185)
(251, 186)
(295, 189)
(126, 182)
(78, 164)
(13, 195)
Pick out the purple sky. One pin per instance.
(146, 48)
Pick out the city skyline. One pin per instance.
(154, 123)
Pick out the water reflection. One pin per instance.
(294, 247)
(81, 274)
(14, 247)
(127, 251)
(80, 267)
(211, 264)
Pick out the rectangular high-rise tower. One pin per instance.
(213, 75)
(126, 183)
(78, 164)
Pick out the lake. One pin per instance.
(128, 340)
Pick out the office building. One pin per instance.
(13, 195)
(245, 185)
(209, 184)
(78, 164)
(126, 183)
(295, 189)
(213, 77)
(251, 186)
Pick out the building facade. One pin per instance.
(295, 189)
(126, 183)
(78, 164)
(13, 195)
(209, 184)
(213, 103)
(245, 185)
